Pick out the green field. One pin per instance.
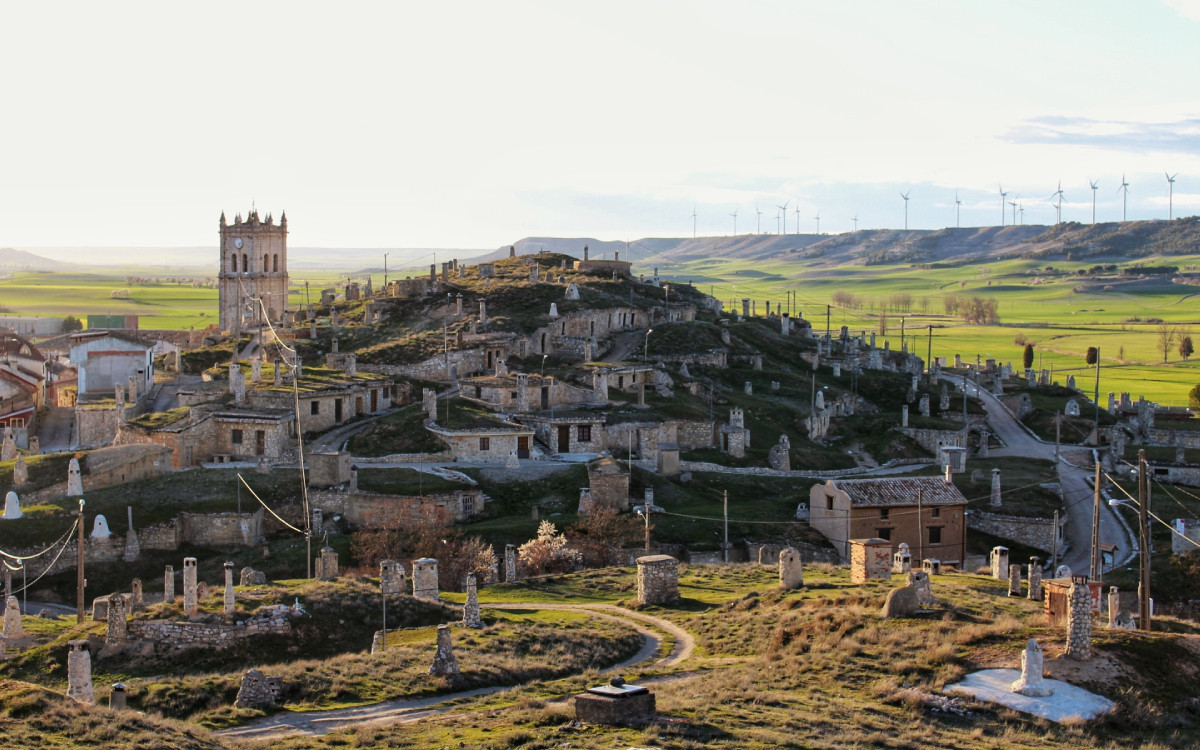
(1048, 304)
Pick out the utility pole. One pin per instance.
(725, 547)
(1058, 436)
(1097, 569)
(646, 516)
(1054, 547)
(827, 329)
(929, 351)
(80, 581)
(385, 255)
(1144, 542)
(1097, 398)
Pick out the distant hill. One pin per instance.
(1128, 240)
(10, 258)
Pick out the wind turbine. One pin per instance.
(1058, 206)
(797, 210)
(1003, 197)
(905, 197)
(693, 222)
(1124, 200)
(759, 218)
(1014, 207)
(1095, 184)
(855, 220)
(1171, 194)
(734, 215)
(777, 214)
(1022, 215)
(957, 207)
(783, 213)
(818, 218)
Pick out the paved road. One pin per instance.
(625, 344)
(54, 431)
(402, 711)
(1075, 475)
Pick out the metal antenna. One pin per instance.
(905, 197)
(1170, 194)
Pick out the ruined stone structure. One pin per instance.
(253, 265)
(616, 704)
(391, 577)
(870, 560)
(79, 673)
(608, 483)
(1114, 605)
(1079, 620)
(657, 579)
(510, 563)
(13, 628)
(471, 618)
(1014, 580)
(995, 499)
(117, 634)
(444, 663)
(229, 600)
(1035, 579)
(920, 582)
(425, 579)
(999, 560)
(900, 602)
(326, 567)
(169, 584)
(189, 587)
(1031, 682)
(791, 569)
(259, 691)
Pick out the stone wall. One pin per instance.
(95, 426)
(462, 362)
(1182, 438)
(932, 440)
(1032, 532)
(710, 357)
(428, 510)
(184, 634)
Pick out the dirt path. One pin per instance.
(403, 710)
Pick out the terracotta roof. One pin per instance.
(899, 491)
(15, 344)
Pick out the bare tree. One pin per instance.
(1166, 338)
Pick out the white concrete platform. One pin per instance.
(1067, 703)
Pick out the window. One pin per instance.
(884, 533)
(829, 502)
(883, 515)
(935, 534)
(485, 444)
(233, 260)
(936, 512)
(236, 437)
(468, 505)
(315, 407)
(584, 433)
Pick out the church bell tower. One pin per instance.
(253, 282)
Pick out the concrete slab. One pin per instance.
(1067, 703)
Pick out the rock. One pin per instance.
(900, 602)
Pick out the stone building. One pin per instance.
(328, 398)
(204, 433)
(845, 509)
(104, 359)
(253, 265)
(608, 481)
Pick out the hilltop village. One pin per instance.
(520, 419)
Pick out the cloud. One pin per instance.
(1181, 135)
(1189, 9)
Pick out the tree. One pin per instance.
(1093, 355)
(883, 324)
(383, 536)
(1194, 397)
(600, 534)
(1185, 347)
(1166, 337)
(1028, 358)
(71, 324)
(548, 553)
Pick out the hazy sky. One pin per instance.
(472, 124)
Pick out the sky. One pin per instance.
(473, 124)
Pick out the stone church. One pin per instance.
(253, 267)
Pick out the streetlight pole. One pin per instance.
(80, 581)
(1144, 542)
(385, 255)
(646, 346)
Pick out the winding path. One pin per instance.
(404, 710)
(1074, 476)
